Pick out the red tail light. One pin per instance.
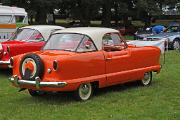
(55, 65)
(11, 62)
(1, 53)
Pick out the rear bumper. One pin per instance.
(5, 65)
(5, 62)
(37, 83)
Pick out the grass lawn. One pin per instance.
(128, 37)
(160, 101)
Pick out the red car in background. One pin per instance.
(25, 39)
(124, 30)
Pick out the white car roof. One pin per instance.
(7, 10)
(45, 30)
(95, 33)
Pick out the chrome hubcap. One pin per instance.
(176, 45)
(147, 78)
(85, 91)
(33, 63)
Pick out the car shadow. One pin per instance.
(56, 98)
(116, 88)
(6, 72)
(61, 98)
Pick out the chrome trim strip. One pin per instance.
(37, 83)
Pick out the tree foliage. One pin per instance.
(87, 10)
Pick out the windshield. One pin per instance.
(65, 41)
(5, 19)
(27, 35)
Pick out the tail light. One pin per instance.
(11, 62)
(8, 49)
(55, 65)
(1, 51)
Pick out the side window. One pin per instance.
(19, 19)
(5, 19)
(86, 45)
(113, 42)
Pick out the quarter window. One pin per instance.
(86, 45)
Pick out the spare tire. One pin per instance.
(31, 66)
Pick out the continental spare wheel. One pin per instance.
(31, 66)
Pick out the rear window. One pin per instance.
(27, 35)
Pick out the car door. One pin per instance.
(117, 57)
(87, 65)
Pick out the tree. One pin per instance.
(39, 7)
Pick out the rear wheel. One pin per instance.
(35, 93)
(176, 44)
(84, 92)
(147, 79)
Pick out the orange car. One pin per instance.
(80, 59)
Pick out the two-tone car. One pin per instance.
(25, 39)
(82, 59)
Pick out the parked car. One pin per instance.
(142, 33)
(82, 59)
(10, 19)
(127, 30)
(25, 39)
(171, 35)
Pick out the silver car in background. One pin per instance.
(171, 35)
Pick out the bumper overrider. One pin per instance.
(37, 83)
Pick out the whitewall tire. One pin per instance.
(147, 79)
(84, 92)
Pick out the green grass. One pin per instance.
(160, 101)
(128, 37)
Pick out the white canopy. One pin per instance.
(95, 33)
(7, 10)
(45, 30)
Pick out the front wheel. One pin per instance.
(147, 79)
(84, 92)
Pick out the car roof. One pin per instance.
(45, 30)
(95, 33)
(7, 10)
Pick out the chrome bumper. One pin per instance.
(37, 83)
(5, 62)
